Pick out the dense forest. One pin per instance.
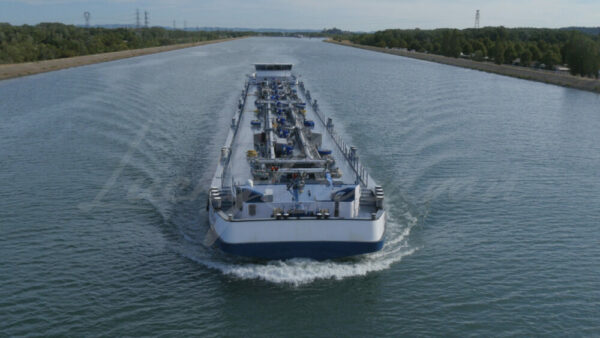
(534, 47)
(530, 47)
(54, 40)
(587, 30)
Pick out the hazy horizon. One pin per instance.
(358, 15)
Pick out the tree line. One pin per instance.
(547, 48)
(538, 47)
(47, 41)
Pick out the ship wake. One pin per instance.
(299, 272)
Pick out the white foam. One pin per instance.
(304, 271)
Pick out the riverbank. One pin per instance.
(565, 80)
(8, 71)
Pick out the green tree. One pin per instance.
(451, 43)
(583, 56)
(416, 46)
(550, 59)
(455, 43)
(427, 46)
(518, 47)
(478, 56)
(526, 58)
(499, 53)
(509, 53)
(501, 33)
(467, 48)
(535, 52)
(478, 46)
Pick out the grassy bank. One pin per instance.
(550, 77)
(8, 71)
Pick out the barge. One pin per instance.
(287, 185)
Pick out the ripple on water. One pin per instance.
(299, 272)
(501, 173)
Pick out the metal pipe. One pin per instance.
(289, 161)
(269, 128)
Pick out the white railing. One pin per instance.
(358, 168)
(227, 165)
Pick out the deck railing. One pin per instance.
(238, 116)
(359, 169)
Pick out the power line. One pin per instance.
(137, 18)
(86, 16)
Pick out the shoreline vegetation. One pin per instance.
(567, 57)
(14, 70)
(47, 41)
(27, 50)
(526, 73)
(568, 49)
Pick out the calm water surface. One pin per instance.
(492, 186)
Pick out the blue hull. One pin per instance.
(313, 250)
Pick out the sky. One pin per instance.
(354, 15)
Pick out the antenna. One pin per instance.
(86, 16)
(146, 20)
(477, 17)
(137, 18)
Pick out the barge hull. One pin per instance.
(314, 250)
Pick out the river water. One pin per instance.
(492, 186)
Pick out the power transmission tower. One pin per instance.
(86, 16)
(137, 18)
(146, 19)
(174, 24)
(477, 17)
(184, 25)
